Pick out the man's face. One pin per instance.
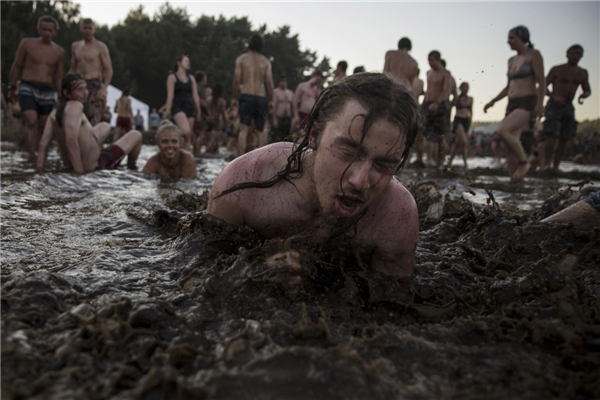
(87, 31)
(283, 84)
(374, 165)
(169, 144)
(318, 81)
(79, 91)
(574, 55)
(434, 63)
(47, 31)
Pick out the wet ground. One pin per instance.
(115, 285)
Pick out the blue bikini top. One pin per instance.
(523, 72)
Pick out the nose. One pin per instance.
(359, 175)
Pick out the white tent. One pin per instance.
(113, 95)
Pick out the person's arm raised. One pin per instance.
(72, 123)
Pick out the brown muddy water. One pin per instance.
(116, 286)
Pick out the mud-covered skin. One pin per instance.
(170, 303)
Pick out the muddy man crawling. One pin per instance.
(338, 177)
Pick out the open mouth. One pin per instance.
(348, 206)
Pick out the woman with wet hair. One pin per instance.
(462, 123)
(526, 89)
(171, 161)
(183, 102)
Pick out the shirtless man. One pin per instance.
(124, 115)
(40, 59)
(252, 73)
(90, 59)
(340, 71)
(80, 144)
(401, 65)
(560, 114)
(305, 98)
(283, 106)
(434, 106)
(338, 180)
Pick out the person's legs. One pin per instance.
(549, 148)
(30, 130)
(242, 139)
(421, 144)
(441, 151)
(131, 143)
(101, 132)
(182, 121)
(510, 132)
(559, 151)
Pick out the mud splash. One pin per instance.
(118, 286)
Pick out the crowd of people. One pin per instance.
(334, 151)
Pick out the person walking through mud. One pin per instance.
(462, 123)
(560, 126)
(171, 161)
(525, 100)
(183, 102)
(40, 59)
(283, 110)
(338, 179)
(80, 144)
(252, 74)
(90, 58)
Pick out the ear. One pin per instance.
(313, 135)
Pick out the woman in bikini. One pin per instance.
(183, 102)
(462, 122)
(525, 100)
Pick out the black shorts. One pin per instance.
(253, 108)
(37, 96)
(526, 103)
(465, 122)
(187, 107)
(283, 130)
(560, 121)
(437, 122)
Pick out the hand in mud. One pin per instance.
(288, 264)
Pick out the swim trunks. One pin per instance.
(465, 122)
(35, 96)
(594, 200)
(560, 121)
(253, 108)
(124, 123)
(94, 106)
(110, 157)
(526, 103)
(436, 122)
(281, 133)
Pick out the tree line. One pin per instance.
(143, 48)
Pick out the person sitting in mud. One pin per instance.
(338, 178)
(171, 161)
(80, 144)
(584, 215)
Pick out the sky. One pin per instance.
(470, 35)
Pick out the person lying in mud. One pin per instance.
(80, 144)
(171, 161)
(337, 178)
(584, 215)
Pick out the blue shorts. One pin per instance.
(253, 108)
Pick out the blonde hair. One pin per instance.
(47, 18)
(167, 125)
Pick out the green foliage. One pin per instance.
(143, 48)
(588, 126)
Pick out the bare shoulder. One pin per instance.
(58, 48)
(73, 107)
(151, 165)
(77, 44)
(187, 156)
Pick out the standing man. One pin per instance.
(283, 106)
(340, 71)
(434, 107)
(401, 65)
(560, 114)
(40, 59)
(252, 73)
(154, 119)
(305, 98)
(91, 60)
(124, 115)
(139, 121)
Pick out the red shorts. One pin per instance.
(110, 157)
(124, 123)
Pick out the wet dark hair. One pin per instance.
(66, 85)
(125, 92)
(380, 94)
(575, 47)
(87, 21)
(405, 43)
(216, 93)
(177, 60)
(435, 54)
(443, 62)
(523, 33)
(318, 73)
(359, 70)
(255, 43)
(199, 75)
(343, 65)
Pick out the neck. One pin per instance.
(522, 50)
(169, 162)
(181, 71)
(90, 40)
(405, 51)
(44, 41)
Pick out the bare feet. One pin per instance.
(521, 171)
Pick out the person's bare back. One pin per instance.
(254, 68)
(402, 66)
(123, 107)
